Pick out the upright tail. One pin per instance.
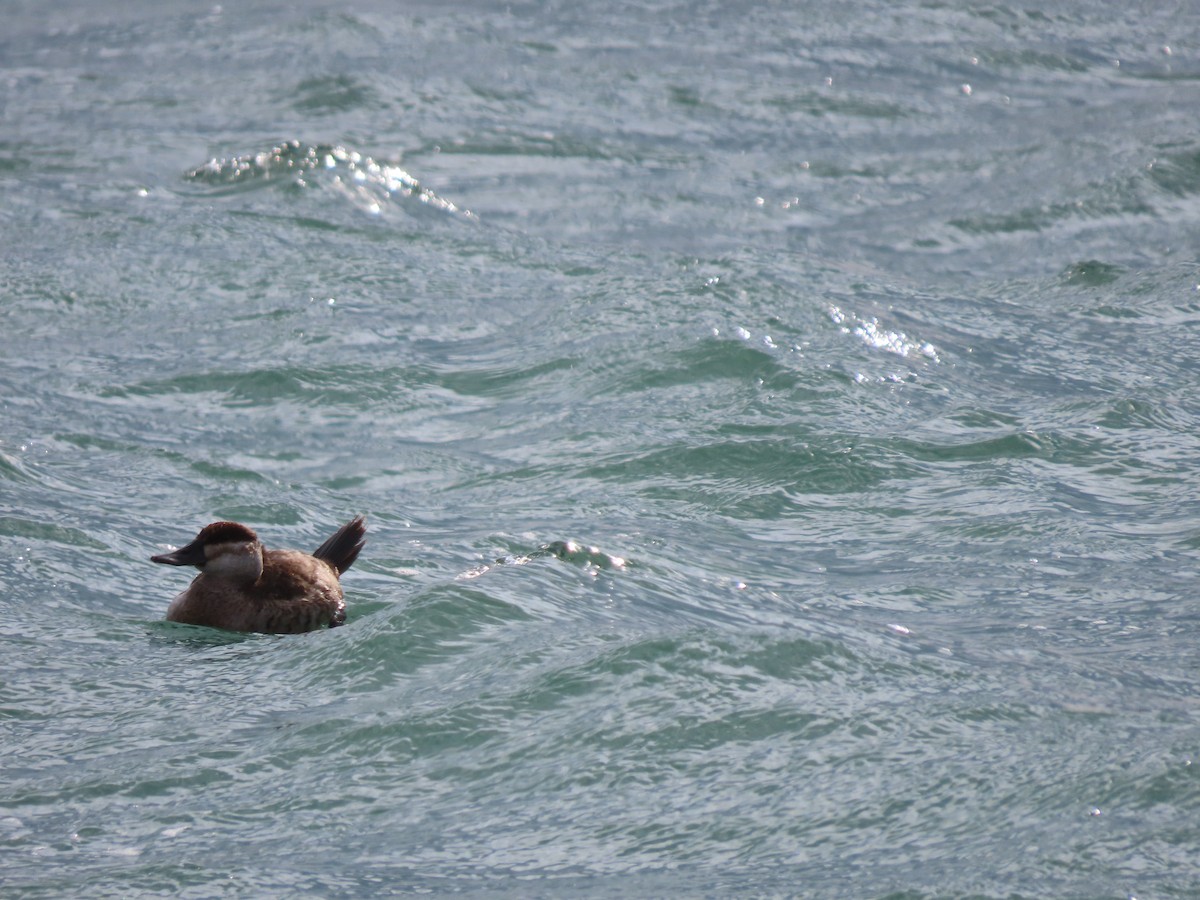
(341, 550)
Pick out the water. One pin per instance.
(776, 426)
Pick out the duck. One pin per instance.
(242, 586)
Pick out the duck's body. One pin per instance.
(242, 586)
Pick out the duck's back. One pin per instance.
(296, 593)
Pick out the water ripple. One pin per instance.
(370, 185)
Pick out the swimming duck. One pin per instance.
(242, 586)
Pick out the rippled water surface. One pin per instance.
(777, 426)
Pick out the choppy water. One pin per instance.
(777, 425)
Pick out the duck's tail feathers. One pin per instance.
(341, 550)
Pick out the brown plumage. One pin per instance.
(242, 586)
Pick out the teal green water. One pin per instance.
(775, 426)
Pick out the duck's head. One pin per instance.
(225, 549)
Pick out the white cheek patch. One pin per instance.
(233, 559)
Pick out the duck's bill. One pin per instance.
(191, 555)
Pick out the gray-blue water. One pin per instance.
(778, 427)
